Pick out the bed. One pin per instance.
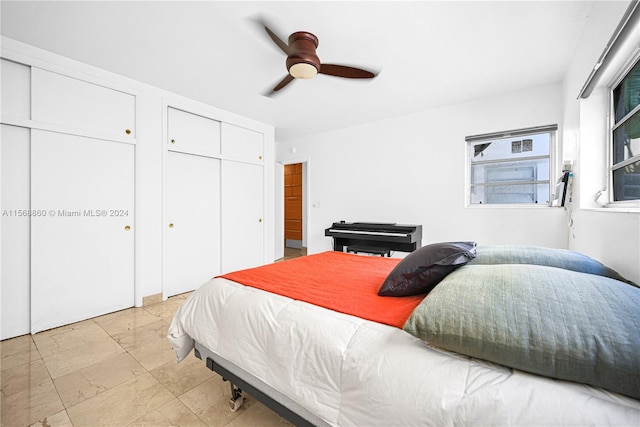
(497, 335)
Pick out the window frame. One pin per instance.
(611, 127)
(472, 140)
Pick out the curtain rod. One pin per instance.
(511, 133)
(622, 32)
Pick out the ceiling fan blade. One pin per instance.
(345, 71)
(285, 81)
(262, 23)
(277, 40)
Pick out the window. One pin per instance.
(511, 167)
(625, 154)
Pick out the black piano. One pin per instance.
(374, 238)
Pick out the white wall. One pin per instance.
(609, 235)
(278, 234)
(411, 169)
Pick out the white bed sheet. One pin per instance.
(350, 371)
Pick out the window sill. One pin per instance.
(613, 209)
(511, 206)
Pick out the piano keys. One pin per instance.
(377, 238)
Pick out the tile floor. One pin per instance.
(293, 253)
(117, 370)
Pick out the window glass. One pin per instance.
(626, 139)
(627, 182)
(512, 148)
(510, 194)
(510, 170)
(626, 96)
(625, 148)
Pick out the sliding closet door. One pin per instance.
(82, 250)
(15, 200)
(192, 231)
(242, 216)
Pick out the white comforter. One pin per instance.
(351, 371)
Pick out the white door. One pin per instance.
(82, 251)
(192, 133)
(15, 291)
(67, 101)
(242, 216)
(239, 143)
(192, 225)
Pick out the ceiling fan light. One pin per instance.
(303, 70)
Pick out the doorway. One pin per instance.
(294, 236)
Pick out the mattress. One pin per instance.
(349, 371)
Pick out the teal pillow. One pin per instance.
(544, 320)
(551, 257)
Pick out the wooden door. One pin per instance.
(242, 215)
(82, 250)
(293, 203)
(192, 229)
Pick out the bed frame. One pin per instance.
(240, 380)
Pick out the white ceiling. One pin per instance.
(429, 53)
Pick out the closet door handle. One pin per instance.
(171, 225)
(127, 228)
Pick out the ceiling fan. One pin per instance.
(303, 62)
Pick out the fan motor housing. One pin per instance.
(302, 47)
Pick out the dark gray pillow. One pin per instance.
(424, 268)
(545, 320)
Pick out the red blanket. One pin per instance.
(338, 281)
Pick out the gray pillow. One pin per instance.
(424, 268)
(561, 258)
(545, 320)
